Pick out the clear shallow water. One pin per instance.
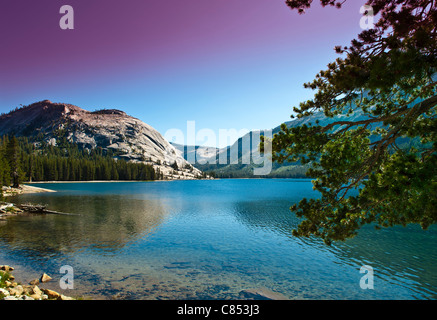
(207, 240)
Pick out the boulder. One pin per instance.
(27, 289)
(37, 290)
(16, 291)
(4, 292)
(36, 296)
(45, 278)
(37, 293)
(261, 294)
(33, 291)
(51, 294)
(6, 268)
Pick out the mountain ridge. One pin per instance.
(245, 170)
(110, 129)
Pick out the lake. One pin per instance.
(207, 239)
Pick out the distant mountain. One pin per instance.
(232, 161)
(246, 170)
(127, 137)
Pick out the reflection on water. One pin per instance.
(208, 240)
(103, 223)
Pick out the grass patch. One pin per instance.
(4, 276)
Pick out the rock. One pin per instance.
(16, 291)
(45, 278)
(37, 290)
(6, 276)
(4, 292)
(261, 294)
(51, 294)
(36, 296)
(19, 289)
(27, 289)
(36, 293)
(34, 282)
(6, 268)
(5, 208)
(32, 291)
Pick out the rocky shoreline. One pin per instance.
(22, 189)
(10, 209)
(12, 290)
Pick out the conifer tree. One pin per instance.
(388, 74)
(13, 156)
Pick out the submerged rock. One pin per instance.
(261, 294)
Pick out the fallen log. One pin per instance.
(38, 208)
(5, 206)
(62, 213)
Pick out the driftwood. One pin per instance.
(38, 208)
(34, 208)
(3, 207)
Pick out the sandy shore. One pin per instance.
(23, 189)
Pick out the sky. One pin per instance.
(228, 64)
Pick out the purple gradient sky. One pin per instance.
(224, 64)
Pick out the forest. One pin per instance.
(22, 160)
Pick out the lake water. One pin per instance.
(207, 240)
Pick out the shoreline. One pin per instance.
(11, 289)
(23, 189)
(100, 181)
(94, 181)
